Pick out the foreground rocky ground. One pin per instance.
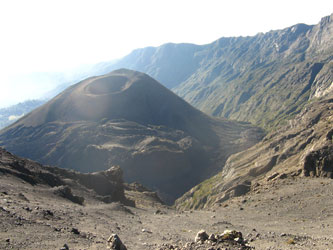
(282, 214)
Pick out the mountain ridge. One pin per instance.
(246, 78)
(241, 78)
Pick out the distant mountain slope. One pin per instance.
(10, 114)
(127, 118)
(302, 148)
(263, 79)
(169, 63)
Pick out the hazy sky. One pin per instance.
(56, 35)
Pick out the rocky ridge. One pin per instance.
(264, 79)
(107, 186)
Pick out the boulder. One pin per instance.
(66, 192)
(115, 243)
(232, 235)
(201, 236)
(319, 163)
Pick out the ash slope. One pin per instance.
(126, 118)
(301, 149)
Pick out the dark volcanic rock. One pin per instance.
(108, 182)
(115, 243)
(66, 192)
(319, 163)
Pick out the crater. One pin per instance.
(107, 85)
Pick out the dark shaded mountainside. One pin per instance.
(302, 148)
(126, 118)
(264, 79)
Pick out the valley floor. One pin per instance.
(285, 214)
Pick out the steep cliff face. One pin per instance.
(302, 148)
(264, 79)
(126, 118)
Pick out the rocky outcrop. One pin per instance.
(319, 163)
(66, 192)
(115, 243)
(228, 239)
(143, 196)
(201, 236)
(108, 185)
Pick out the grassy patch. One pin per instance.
(201, 194)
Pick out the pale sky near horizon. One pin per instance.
(49, 36)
